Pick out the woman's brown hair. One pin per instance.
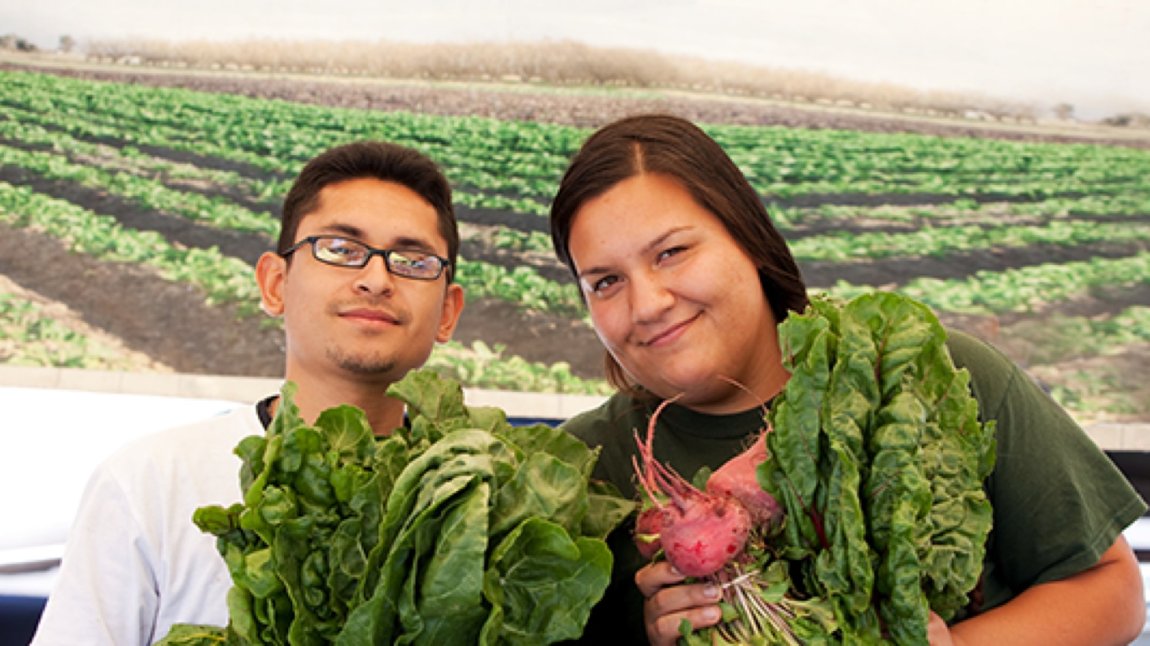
(674, 147)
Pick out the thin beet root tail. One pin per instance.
(656, 477)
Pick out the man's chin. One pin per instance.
(369, 367)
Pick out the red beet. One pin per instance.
(736, 478)
(706, 536)
(700, 532)
(648, 532)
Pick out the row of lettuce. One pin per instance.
(957, 227)
(960, 196)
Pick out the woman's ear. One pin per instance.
(271, 271)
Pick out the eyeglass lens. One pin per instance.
(351, 253)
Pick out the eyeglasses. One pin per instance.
(345, 252)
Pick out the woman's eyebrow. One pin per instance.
(654, 243)
(658, 241)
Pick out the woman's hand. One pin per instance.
(669, 601)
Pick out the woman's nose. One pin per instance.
(650, 297)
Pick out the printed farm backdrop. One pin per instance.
(135, 200)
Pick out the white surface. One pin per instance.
(52, 439)
(1138, 534)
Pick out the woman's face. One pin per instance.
(674, 298)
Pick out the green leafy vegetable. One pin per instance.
(879, 458)
(459, 528)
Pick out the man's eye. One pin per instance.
(411, 259)
(336, 245)
(340, 251)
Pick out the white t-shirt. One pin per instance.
(135, 563)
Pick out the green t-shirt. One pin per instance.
(1059, 502)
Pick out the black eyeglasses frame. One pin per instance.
(444, 263)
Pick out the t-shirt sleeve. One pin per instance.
(102, 548)
(1059, 502)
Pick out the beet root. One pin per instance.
(737, 478)
(698, 532)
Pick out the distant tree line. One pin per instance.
(12, 41)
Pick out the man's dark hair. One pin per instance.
(370, 159)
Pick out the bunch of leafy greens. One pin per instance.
(879, 459)
(457, 529)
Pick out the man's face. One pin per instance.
(361, 323)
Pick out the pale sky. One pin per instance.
(1092, 54)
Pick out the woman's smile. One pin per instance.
(669, 335)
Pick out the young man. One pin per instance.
(354, 324)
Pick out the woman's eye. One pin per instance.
(667, 253)
(600, 285)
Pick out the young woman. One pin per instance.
(686, 280)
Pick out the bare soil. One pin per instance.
(171, 323)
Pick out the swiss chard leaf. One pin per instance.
(347, 537)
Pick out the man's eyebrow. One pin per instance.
(419, 244)
(344, 230)
(402, 242)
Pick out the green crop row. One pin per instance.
(964, 211)
(227, 279)
(131, 160)
(1024, 289)
(784, 161)
(523, 160)
(31, 337)
(930, 241)
(486, 156)
(223, 279)
(148, 193)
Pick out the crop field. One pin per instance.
(131, 215)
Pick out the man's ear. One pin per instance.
(271, 271)
(449, 317)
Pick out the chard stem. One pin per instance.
(756, 616)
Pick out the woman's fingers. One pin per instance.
(670, 602)
(654, 576)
